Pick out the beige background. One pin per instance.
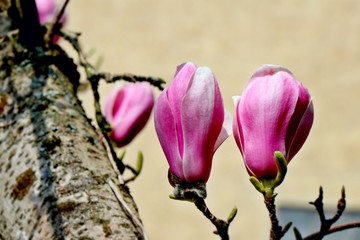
(319, 41)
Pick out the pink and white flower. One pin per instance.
(189, 121)
(274, 113)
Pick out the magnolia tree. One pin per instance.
(62, 177)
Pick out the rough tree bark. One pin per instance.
(56, 180)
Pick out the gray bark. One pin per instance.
(56, 180)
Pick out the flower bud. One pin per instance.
(274, 113)
(189, 120)
(47, 10)
(128, 109)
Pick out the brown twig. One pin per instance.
(222, 226)
(334, 229)
(325, 225)
(94, 77)
(111, 78)
(72, 38)
(276, 231)
(55, 23)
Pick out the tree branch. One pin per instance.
(54, 169)
(334, 229)
(325, 224)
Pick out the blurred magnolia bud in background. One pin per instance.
(47, 10)
(127, 109)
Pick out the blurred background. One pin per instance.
(319, 41)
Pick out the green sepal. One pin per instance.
(282, 168)
(232, 215)
(174, 197)
(139, 162)
(257, 184)
(266, 186)
(286, 228)
(134, 170)
(297, 234)
(122, 155)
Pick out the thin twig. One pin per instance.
(94, 82)
(72, 38)
(334, 229)
(325, 224)
(51, 30)
(276, 231)
(111, 78)
(94, 78)
(222, 226)
(104, 126)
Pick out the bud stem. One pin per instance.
(222, 227)
(276, 232)
(266, 186)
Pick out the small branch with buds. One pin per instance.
(55, 24)
(73, 39)
(326, 224)
(196, 193)
(222, 227)
(267, 187)
(94, 77)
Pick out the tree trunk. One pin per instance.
(56, 179)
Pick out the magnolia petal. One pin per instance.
(46, 10)
(136, 121)
(176, 94)
(265, 110)
(131, 110)
(166, 130)
(239, 139)
(236, 130)
(131, 102)
(302, 105)
(202, 117)
(268, 70)
(235, 124)
(109, 105)
(226, 130)
(236, 100)
(302, 131)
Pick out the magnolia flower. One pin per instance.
(189, 120)
(127, 110)
(274, 113)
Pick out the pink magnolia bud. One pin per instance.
(274, 113)
(47, 10)
(127, 110)
(189, 121)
